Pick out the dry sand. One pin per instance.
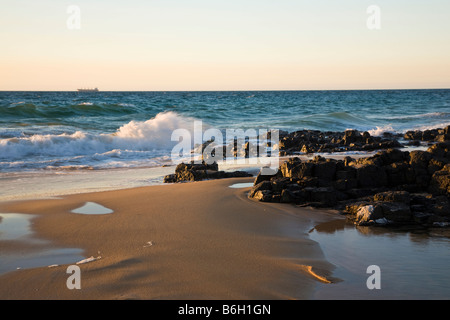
(208, 241)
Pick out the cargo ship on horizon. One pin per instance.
(88, 90)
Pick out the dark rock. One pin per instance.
(295, 168)
(262, 186)
(399, 173)
(200, 171)
(170, 178)
(351, 136)
(325, 196)
(388, 187)
(260, 177)
(369, 176)
(325, 170)
(368, 214)
(396, 211)
(393, 196)
(442, 206)
(263, 195)
(440, 182)
(440, 149)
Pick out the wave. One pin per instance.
(86, 108)
(416, 116)
(136, 140)
(334, 121)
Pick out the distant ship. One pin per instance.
(88, 90)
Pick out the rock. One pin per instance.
(399, 173)
(325, 170)
(263, 195)
(200, 171)
(351, 136)
(419, 158)
(295, 168)
(440, 149)
(428, 135)
(369, 176)
(262, 186)
(369, 214)
(440, 182)
(170, 178)
(393, 196)
(293, 196)
(353, 208)
(436, 164)
(259, 178)
(310, 141)
(442, 206)
(389, 186)
(346, 174)
(325, 196)
(419, 163)
(396, 212)
(390, 156)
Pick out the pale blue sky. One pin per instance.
(224, 45)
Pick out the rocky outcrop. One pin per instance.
(201, 171)
(392, 186)
(312, 141)
(439, 135)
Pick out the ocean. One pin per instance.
(57, 131)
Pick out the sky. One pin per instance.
(154, 45)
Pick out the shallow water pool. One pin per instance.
(413, 264)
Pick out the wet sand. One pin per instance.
(201, 240)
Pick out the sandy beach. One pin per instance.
(200, 240)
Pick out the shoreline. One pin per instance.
(264, 249)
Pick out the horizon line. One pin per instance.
(235, 90)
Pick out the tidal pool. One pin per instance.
(21, 249)
(92, 208)
(413, 264)
(242, 185)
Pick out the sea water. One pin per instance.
(412, 264)
(63, 131)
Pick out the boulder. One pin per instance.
(263, 195)
(260, 178)
(393, 196)
(440, 182)
(396, 212)
(370, 176)
(441, 206)
(399, 173)
(200, 171)
(351, 136)
(440, 149)
(369, 214)
(325, 170)
(325, 196)
(295, 168)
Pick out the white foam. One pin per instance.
(90, 259)
(379, 131)
(133, 141)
